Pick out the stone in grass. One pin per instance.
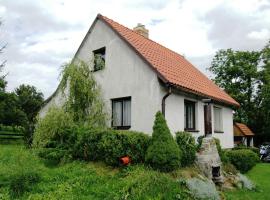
(246, 183)
(202, 189)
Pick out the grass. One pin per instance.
(80, 180)
(260, 175)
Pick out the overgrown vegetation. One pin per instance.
(163, 153)
(187, 146)
(80, 180)
(84, 101)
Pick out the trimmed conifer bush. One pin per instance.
(163, 153)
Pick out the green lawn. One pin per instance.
(260, 175)
(79, 180)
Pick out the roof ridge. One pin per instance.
(157, 44)
(142, 36)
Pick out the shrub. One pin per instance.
(221, 152)
(22, 183)
(109, 145)
(242, 159)
(254, 149)
(163, 153)
(187, 146)
(53, 127)
(199, 142)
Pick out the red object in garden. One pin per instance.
(125, 160)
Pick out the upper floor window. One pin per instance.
(121, 113)
(217, 119)
(189, 115)
(99, 58)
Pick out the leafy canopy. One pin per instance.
(84, 100)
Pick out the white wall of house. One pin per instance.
(126, 74)
(175, 118)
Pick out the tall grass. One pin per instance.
(81, 180)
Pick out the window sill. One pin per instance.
(192, 130)
(218, 131)
(122, 127)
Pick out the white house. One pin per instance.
(141, 77)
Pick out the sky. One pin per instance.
(42, 35)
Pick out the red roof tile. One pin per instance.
(244, 129)
(171, 67)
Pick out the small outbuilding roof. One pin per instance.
(240, 129)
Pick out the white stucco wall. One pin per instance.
(126, 74)
(175, 118)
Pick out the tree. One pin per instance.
(29, 100)
(3, 83)
(264, 94)
(245, 75)
(84, 101)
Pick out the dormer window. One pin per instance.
(99, 59)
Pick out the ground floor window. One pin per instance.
(189, 115)
(121, 113)
(217, 119)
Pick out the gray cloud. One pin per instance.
(230, 28)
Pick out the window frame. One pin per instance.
(193, 103)
(121, 99)
(102, 51)
(220, 130)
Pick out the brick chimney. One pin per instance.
(140, 28)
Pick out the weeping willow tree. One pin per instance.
(83, 95)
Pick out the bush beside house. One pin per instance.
(163, 153)
(242, 159)
(187, 146)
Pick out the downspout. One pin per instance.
(163, 104)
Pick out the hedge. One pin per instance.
(242, 159)
(110, 145)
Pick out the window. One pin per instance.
(99, 59)
(217, 119)
(121, 113)
(189, 115)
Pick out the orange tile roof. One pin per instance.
(170, 66)
(244, 129)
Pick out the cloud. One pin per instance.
(42, 35)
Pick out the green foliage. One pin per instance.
(110, 145)
(22, 183)
(99, 62)
(245, 75)
(81, 180)
(163, 153)
(221, 152)
(199, 142)
(84, 101)
(254, 149)
(187, 146)
(29, 101)
(56, 126)
(242, 159)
